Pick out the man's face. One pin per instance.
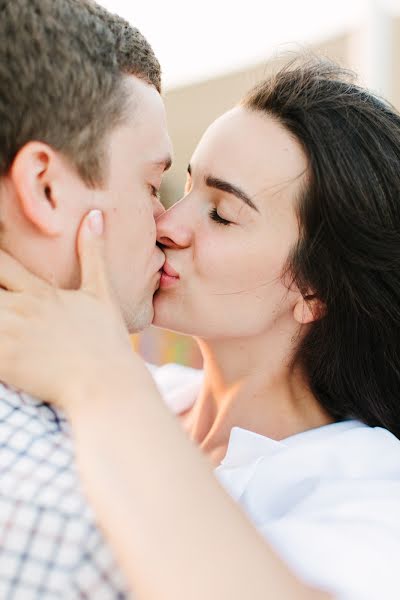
(139, 153)
(43, 202)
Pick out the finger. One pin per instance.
(94, 277)
(12, 320)
(18, 303)
(15, 277)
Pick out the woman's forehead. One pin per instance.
(250, 148)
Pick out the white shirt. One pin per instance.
(327, 500)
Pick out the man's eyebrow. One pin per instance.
(165, 163)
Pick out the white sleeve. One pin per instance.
(152, 368)
(351, 559)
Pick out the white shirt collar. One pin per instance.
(245, 446)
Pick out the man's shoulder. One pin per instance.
(49, 553)
(49, 538)
(36, 453)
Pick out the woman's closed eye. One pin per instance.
(154, 191)
(217, 218)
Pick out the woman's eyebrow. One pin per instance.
(229, 188)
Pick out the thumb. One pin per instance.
(91, 255)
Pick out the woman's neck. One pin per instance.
(250, 385)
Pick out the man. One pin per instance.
(82, 126)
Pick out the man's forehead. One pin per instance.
(148, 124)
(144, 105)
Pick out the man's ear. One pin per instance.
(35, 173)
(308, 309)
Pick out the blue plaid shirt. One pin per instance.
(50, 546)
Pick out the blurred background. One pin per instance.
(213, 51)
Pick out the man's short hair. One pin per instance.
(62, 67)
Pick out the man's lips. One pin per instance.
(161, 262)
(170, 271)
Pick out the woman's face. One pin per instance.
(229, 237)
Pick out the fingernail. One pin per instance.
(95, 222)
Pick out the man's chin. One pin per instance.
(141, 319)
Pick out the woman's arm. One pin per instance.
(176, 532)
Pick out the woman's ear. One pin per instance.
(35, 173)
(308, 309)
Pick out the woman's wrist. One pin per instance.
(107, 388)
(96, 385)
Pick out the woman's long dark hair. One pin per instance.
(348, 252)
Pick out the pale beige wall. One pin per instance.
(395, 63)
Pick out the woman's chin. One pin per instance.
(164, 312)
(169, 324)
(170, 313)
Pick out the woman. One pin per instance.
(283, 260)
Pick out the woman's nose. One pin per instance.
(172, 231)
